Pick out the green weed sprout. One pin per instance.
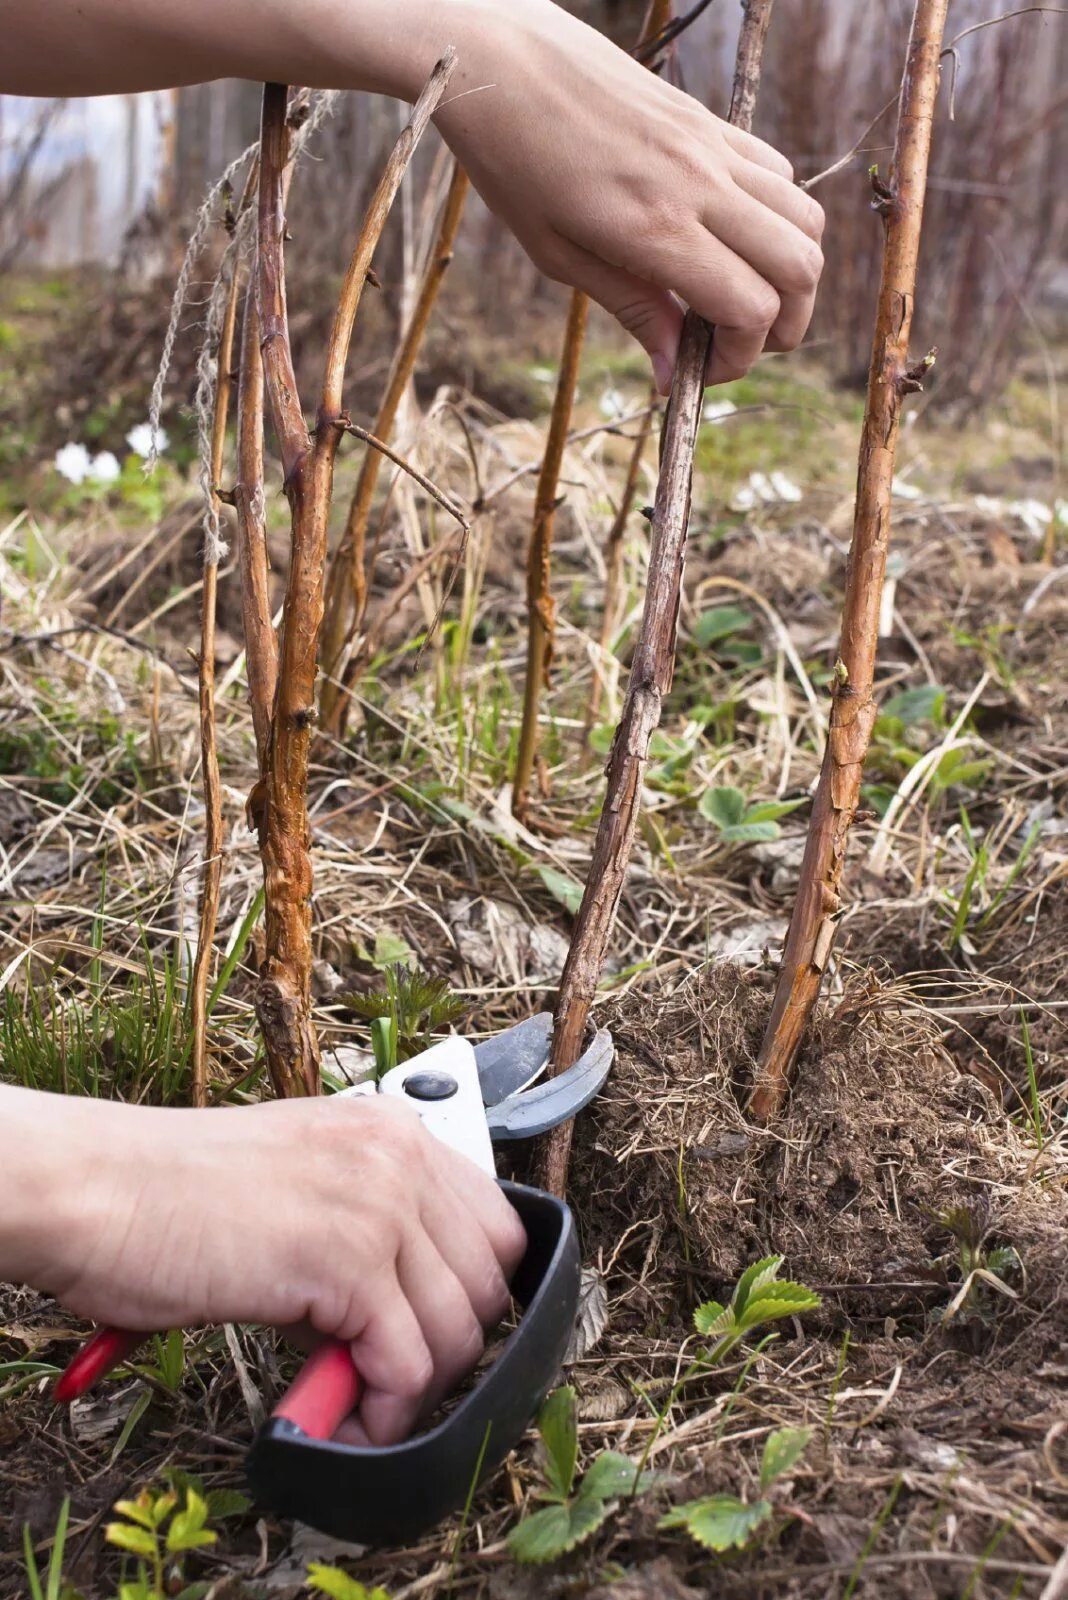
(572, 1514)
(722, 1521)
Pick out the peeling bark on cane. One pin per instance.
(813, 925)
(280, 801)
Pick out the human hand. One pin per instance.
(620, 185)
(344, 1214)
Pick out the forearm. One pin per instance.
(71, 47)
(45, 1145)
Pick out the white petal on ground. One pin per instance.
(716, 410)
(140, 440)
(906, 491)
(104, 468)
(785, 487)
(73, 462)
(1035, 515)
(613, 404)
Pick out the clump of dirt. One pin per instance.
(883, 1133)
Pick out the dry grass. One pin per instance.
(914, 1091)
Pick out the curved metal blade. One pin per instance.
(533, 1111)
(511, 1060)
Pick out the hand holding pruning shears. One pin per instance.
(408, 1305)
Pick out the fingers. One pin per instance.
(781, 197)
(450, 1326)
(393, 1357)
(782, 253)
(650, 314)
(778, 235)
(481, 1206)
(755, 150)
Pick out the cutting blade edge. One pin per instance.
(529, 1112)
(511, 1060)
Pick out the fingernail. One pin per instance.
(663, 370)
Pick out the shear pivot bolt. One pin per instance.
(431, 1085)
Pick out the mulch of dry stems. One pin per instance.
(909, 1099)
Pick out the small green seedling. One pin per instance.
(412, 1006)
(980, 1262)
(339, 1585)
(722, 1521)
(758, 1298)
(53, 1587)
(160, 1533)
(572, 1514)
(737, 821)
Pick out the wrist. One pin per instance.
(45, 1184)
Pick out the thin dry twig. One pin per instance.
(346, 592)
(541, 618)
(209, 754)
(613, 560)
(540, 607)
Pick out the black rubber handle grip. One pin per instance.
(394, 1495)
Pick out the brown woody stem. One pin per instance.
(818, 907)
(613, 560)
(346, 582)
(261, 645)
(541, 621)
(651, 669)
(280, 802)
(346, 594)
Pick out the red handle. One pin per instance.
(106, 1348)
(318, 1400)
(323, 1393)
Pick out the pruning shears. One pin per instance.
(471, 1097)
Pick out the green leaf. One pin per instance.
(55, 1559)
(957, 769)
(750, 832)
(226, 1503)
(561, 887)
(558, 1426)
(147, 1510)
(384, 1043)
(612, 1474)
(782, 1450)
(554, 1530)
(140, 1589)
(709, 1318)
(139, 1541)
(133, 1417)
(339, 1585)
(720, 623)
(719, 1522)
(770, 810)
(33, 1577)
(187, 1530)
(171, 1357)
(777, 1301)
(761, 1272)
(725, 807)
(915, 706)
(391, 949)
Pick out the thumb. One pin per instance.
(651, 315)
